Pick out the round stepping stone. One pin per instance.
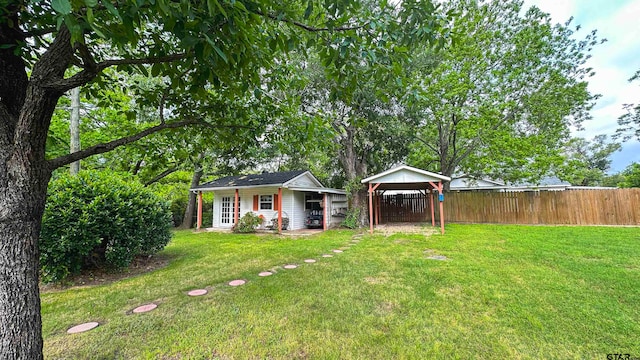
(265, 273)
(198, 292)
(327, 255)
(83, 327)
(237, 282)
(291, 266)
(145, 308)
(337, 251)
(310, 261)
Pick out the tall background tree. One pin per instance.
(588, 162)
(50, 47)
(365, 131)
(500, 102)
(630, 122)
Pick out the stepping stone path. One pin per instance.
(437, 257)
(145, 308)
(237, 282)
(83, 327)
(198, 292)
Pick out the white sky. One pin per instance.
(614, 62)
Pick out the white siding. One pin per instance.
(298, 206)
(292, 206)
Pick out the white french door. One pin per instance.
(226, 215)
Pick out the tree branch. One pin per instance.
(105, 147)
(425, 143)
(308, 27)
(91, 72)
(162, 175)
(39, 32)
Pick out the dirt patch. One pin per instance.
(93, 277)
(382, 278)
(433, 255)
(405, 228)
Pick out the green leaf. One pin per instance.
(309, 10)
(90, 17)
(91, 3)
(222, 55)
(211, 4)
(74, 28)
(112, 9)
(61, 6)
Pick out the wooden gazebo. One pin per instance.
(405, 178)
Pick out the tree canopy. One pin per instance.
(500, 102)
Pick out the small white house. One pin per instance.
(288, 200)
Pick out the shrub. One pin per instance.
(248, 223)
(352, 219)
(99, 219)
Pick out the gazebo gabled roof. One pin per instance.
(405, 177)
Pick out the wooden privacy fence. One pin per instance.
(404, 208)
(579, 207)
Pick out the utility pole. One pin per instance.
(75, 128)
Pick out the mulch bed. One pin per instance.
(92, 277)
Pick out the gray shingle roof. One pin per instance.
(253, 179)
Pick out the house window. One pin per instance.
(266, 202)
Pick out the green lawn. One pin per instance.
(505, 292)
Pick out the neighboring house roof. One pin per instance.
(469, 183)
(549, 181)
(299, 180)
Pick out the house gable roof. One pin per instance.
(264, 179)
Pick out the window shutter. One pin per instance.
(276, 203)
(255, 202)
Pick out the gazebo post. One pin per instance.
(199, 221)
(433, 210)
(377, 207)
(370, 209)
(441, 201)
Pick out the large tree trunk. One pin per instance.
(354, 169)
(21, 205)
(187, 222)
(26, 107)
